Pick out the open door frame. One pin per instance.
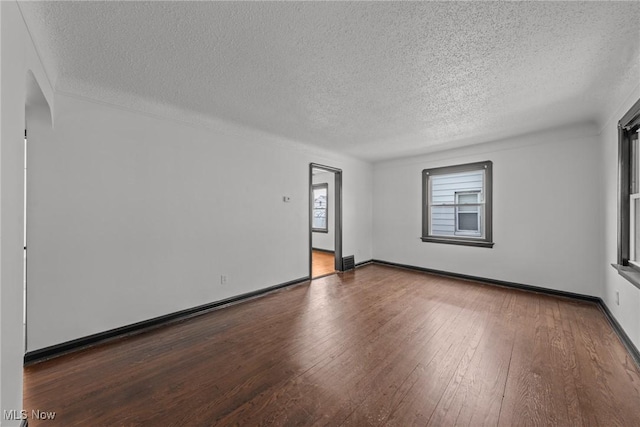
(337, 173)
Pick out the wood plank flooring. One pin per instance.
(378, 346)
(322, 263)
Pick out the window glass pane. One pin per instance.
(635, 239)
(443, 221)
(444, 187)
(468, 198)
(319, 218)
(450, 194)
(635, 164)
(320, 208)
(468, 221)
(320, 198)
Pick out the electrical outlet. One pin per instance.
(223, 279)
(617, 298)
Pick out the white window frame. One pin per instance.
(632, 229)
(479, 203)
(634, 162)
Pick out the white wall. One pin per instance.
(546, 211)
(19, 66)
(326, 240)
(133, 216)
(628, 312)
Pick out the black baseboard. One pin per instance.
(84, 342)
(494, 282)
(363, 263)
(80, 343)
(631, 348)
(324, 250)
(624, 338)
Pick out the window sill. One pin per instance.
(462, 242)
(629, 273)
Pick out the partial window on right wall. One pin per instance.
(629, 189)
(457, 204)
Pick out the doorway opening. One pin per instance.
(325, 220)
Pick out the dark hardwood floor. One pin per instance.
(375, 346)
(322, 263)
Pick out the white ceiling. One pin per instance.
(374, 80)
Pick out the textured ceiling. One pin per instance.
(375, 80)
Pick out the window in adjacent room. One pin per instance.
(457, 202)
(320, 208)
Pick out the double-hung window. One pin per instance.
(457, 203)
(628, 262)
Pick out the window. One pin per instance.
(634, 202)
(456, 206)
(629, 187)
(320, 208)
(468, 213)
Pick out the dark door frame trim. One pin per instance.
(337, 173)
